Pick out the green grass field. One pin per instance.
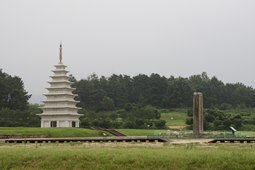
(51, 132)
(174, 118)
(74, 132)
(127, 156)
(142, 132)
(164, 132)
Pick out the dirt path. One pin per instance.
(186, 141)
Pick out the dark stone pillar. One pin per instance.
(198, 113)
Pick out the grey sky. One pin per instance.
(171, 37)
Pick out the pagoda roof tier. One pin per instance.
(60, 94)
(62, 70)
(59, 114)
(57, 71)
(59, 101)
(69, 88)
(60, 65)
(60, 107)
(57, 76)
(58, 82)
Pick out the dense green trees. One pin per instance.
(14, 118)
(159, 91)
(12, 93)
(14, 107)
(132, 116)
(121, 101)
(216, 119)
(131, 100)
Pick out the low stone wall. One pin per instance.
(14, 136)
(86, 139)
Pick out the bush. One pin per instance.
(133, 116)
(160, 124)
(215, 119)
(25, 118)
(225, 106)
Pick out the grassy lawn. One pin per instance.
(164, 132)
(246, 133)
(175, 118)
(127, 156)
(51, 132)
(142, 132)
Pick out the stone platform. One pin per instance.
(86, 139)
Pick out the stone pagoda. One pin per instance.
(59, 109)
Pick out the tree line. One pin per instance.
(14, 107)
(122, 101)
(106, 100)
(104, 94)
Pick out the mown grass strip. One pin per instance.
(175, 118)
(51, 132)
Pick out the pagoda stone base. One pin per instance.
(59, 121)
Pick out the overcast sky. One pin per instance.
(171, 37)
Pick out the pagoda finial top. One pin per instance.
(60, 53)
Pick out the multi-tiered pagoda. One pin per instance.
(59, 108)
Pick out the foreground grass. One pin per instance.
(51, 132)
(127, 156)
